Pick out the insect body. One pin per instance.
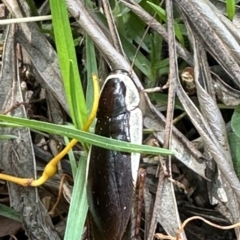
(188, 82)
(112, 174)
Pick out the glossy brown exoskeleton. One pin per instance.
(112, 174)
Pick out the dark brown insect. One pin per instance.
(112, 174)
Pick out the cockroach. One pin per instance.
(112, 174)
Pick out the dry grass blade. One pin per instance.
(162, 236)
(113, 28)
(208, 136)
(136, 8)
(213, 117)
(206, 221)
(18, 158)
(225, 50)
(165, 199)
(41, 53)
(212, 143)
(185, 150)
(219, 188)
(219, 8)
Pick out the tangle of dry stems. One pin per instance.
(162, 236)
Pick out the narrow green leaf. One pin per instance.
(72, 159)
(234, 142)
(91, 68)
(162, 99)
(4, 124)
(79, 206)
(9, 213)
(141, 61)
(235, 122)
(162, 14)
(7, 137)
(231, 9)
(33, 9)
(86, 137)
(68, 62)
(155, 58)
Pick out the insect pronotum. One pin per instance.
(112, 174)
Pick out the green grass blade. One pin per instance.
(231, 9)
(68, 62)
(234, 143)
(141, 61)
(161, 98)
(162, 14)
(86, 137)
(235, 122)
(33, 9)
(7, 137)
(72, 159)
(79, 206)
(9, 213)
(91, 68)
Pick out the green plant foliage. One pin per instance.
(79, 206)
(235, 122)
(78, 110)
(72, 159)
(162, 14)
(86, 137)
(151, 45)
(33, 8)
(7, 137)
(234, 142)
(68, 62)
(91, 68)
(161, 98)
(231, 8)
(9, 213)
